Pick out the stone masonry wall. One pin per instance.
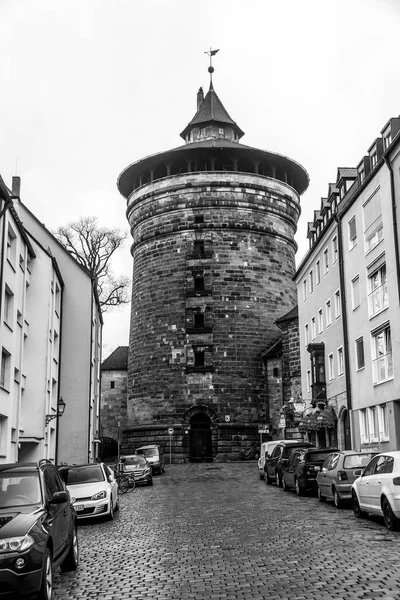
(113, 402)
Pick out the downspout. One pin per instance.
(394, 218)
(59, 370)
(344, 314)
(91, 367)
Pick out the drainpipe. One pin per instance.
(394, 218)
(344, 314)
(59, 370)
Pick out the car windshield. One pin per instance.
(316, 456)
(84, 474)
(134, 460)
(19, 489)
(357, 461)
(148, 451)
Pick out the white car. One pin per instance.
(93, 489)
(377, 489)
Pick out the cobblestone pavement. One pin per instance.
(216, 531)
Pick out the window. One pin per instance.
(313, 331)
(360, 359)
(320, 321)
(275, 372)
(112, 385)
(58, 300)
(361, 173)
(198, 320)
(199, 218)
(328, 313)
(355, 292)
(11, 246)
(308, 381)
(331, 373)
(326, 261)
(304, 290)
(378, 298)
(338, 309)
(334, 250)
(373, 424)
(352, 233)
(340, 361)
(221, 131)
(21, 262)
(374, 158)
(198, 281)
(306, 334)
(383, 423)
(199, 358)
(373, 225)
(198, 248)
(8, 307)
(311, 280)
(382, 364)
(5, 369)
(387, 138)
(318, 272)
(364, 431)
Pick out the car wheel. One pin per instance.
(71, 561)
(278, 480)
(336, 499)
(358, 513)
(284, 485)
(298, 489)
(391, 521)
(46, 588)
(320, 497)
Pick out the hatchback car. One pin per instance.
(377, 490)
(301, 470)
(38, 529)
(139, 467)
(93, 489)
(266, 450)
(278, 459)
(155, 456)
(338, 473)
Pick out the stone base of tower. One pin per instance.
(200, 440)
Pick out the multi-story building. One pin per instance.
(50, 338)
(213, 224)
(348, 293)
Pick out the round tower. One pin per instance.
(213, 224)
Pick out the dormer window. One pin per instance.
(361, 173)
(374, 158)
(202, 131)
(221, 131)
(387, 138)
(342, 191)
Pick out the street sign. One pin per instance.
(170, 431)
(282, 423)
(263, 429)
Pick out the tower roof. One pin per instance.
(211, 110)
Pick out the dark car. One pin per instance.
(139, 467)
(274, 464)
(155, 455)
(301, 470)
(38, 529)
(339, 471)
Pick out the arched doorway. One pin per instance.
(200, 449)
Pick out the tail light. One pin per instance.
(342, 476)
(396, 481)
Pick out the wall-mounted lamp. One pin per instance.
(60, 411)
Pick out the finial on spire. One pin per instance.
(211, 53)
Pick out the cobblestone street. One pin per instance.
(216, 531)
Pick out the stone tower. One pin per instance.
(213, 225)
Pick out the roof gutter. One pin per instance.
(394, 219)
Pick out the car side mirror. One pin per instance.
(59, 498)
(358, 472)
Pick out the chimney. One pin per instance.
(16, 186)
(200, 97)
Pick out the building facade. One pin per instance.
(50, 338)
(348, 293)
(114, 395)
(213, 224)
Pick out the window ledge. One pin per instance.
(2, 387)
(378, 313)
(198, 293)
(199, 330)
(208, 369)
(375, 383)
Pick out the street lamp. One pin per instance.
(60, 411)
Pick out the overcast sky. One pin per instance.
(90, 86)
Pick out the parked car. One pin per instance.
(274, 464)
(337, 475)
(93, 489)
(266, 449)
(301, 470)
(38, 529)
(377, 489)
(155, 455)
(139, 467)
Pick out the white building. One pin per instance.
(50, 338)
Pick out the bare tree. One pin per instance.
(92, 247)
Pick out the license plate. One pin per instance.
(79, 507)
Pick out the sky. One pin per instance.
(90, 86)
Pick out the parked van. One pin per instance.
(266, 448)
(155, 456)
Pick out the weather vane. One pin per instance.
(211, 53)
